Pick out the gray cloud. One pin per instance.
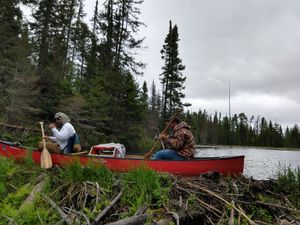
(253, 44)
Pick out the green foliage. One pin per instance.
(12, 174)
(30, 140)
(29, 214)
(144, 187)
(145, 144)
(261, 214)
(28, 160)
(6, 137)
(6, 169)
(192, 201)
(14, 200)
(74, 172)
(288, 182)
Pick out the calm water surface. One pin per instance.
(261, 164)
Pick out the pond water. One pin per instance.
(261, 164)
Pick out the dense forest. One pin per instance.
(59, 60)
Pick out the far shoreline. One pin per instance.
(245, 147)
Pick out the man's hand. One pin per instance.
(46, 138)
(51, 125)
(163, 137)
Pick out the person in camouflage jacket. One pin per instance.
(181, 142)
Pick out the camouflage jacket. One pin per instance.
(182, 140)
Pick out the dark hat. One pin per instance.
(174, 119)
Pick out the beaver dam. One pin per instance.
(94, 195)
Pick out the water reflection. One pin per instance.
(260, 164)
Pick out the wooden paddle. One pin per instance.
(148, 155)
(46, 161)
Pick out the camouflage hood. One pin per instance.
(182, 125)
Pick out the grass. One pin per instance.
(288, 182)
(92, 172)
(144, 187)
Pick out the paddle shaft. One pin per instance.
(43, 133)
(147, 156)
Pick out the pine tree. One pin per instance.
(51, 34)
(20, 108)
(16, 71)
(153, 98)
(144, 95)
(10, 29)
(116, 26)
(172, 78)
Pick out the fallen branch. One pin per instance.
(277, 206)
(59, 210)
(18, 127)
(135, 220)
(104, 211)
(174, 215)
(222, 199)
(10, 219)
(30, 198)
(231, 219)
(80, 213)
(141, 210)
(202, 202)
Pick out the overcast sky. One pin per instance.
(254, 45)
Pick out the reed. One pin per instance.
(288, 182)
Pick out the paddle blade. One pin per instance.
(46, 161)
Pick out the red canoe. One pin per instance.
(224, 165)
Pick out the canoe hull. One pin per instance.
(224, 165)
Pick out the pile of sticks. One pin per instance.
(207, 199)
(232, 201)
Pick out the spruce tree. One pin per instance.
(116, 26)
(144, 95)
(172, 78)
(51, 33)
(10, 29)
(17, 77)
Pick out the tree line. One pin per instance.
(241, 130)
(57, 61)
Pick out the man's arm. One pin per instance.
(63, 134)
(175, 141)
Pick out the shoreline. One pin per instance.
(198, 146)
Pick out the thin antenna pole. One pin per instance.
(229, 117)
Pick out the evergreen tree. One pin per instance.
(153, 98)
(20, 108)
(172, 78)
(116, 26)
(16, 71)
(44, 30)
(10, 29)
(144, 95)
